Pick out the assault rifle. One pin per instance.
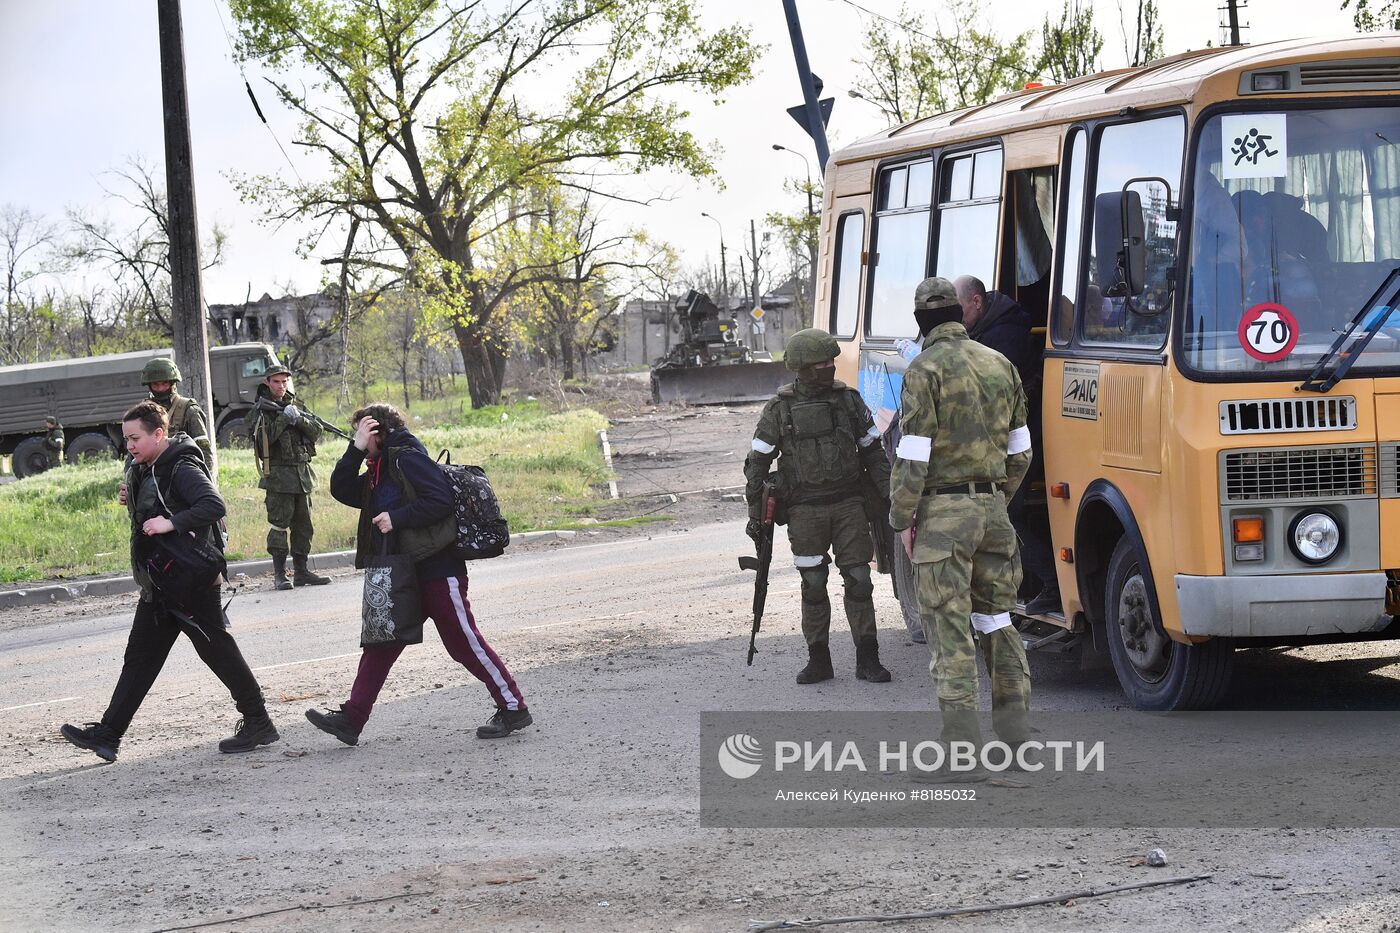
(273, 407)
(768, 508)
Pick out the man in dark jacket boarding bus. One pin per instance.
(168, 494)
(406, 507)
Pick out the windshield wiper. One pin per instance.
(1383, 300)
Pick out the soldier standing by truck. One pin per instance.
(284, 442)
(828, 454)
(53, 441)
(160, 376)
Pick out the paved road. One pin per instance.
(589, 821)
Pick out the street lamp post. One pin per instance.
(857, 95)
(723, 269)
(778, 148)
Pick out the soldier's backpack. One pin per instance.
(482, 531)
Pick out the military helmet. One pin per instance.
(809, 346)
(934, 294)
(160, 369)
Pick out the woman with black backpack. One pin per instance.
(176, 551)
(406, 507)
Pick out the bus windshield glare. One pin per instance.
(1298, 210)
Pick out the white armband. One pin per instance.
(987, 623)
(1019, 441)
(763, 447)
(913, 447)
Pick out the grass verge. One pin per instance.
(545, 468)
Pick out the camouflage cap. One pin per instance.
(276, 369)
(934, 294)
(51, 419)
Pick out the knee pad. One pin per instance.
(857, 582)
(813, 584)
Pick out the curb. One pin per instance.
(607, 458)
(117, 585)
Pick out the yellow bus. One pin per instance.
(1209, 245)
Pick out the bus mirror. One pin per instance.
(1121, 259)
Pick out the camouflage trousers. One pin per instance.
(843, 529)
(967, 572)
(289, 512)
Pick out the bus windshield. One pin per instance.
(1296, 223)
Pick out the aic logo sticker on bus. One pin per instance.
(1079, 394)
(1268, 332)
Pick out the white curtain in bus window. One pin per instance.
(845, 285)
(969, 207)
(1150, 151)
(1318, 239)
(1063, 318)
(901, 248)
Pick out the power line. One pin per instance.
(251, 96)
(940, 40)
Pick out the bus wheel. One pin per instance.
(91, 446)
(1157, 673)
(906, 591)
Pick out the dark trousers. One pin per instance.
(1033, 528)
(154, 632)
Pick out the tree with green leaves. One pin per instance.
(911, 71)
(1069, 46)
(1382, 17)
(443, 123)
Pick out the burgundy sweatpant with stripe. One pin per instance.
(445, 602)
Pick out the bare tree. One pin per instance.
(27, 241)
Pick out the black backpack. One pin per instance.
(481, 530)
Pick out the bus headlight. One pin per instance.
(1315, 537)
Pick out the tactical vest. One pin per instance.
(821, 453)
(177, 414)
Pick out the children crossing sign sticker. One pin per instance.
(1268, 332)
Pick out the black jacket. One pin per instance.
(1006, 327)
(407, 484)
(190, 498)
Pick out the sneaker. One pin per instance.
(504, 723)
(95, 737)
(336, 723)
(252, 731)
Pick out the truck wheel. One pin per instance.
(91, 446)
(30, 457)
(1157, 673)
(906, 591)
(233, 435)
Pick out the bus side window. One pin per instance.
(969, 208)
(1150, 149)
(845, 284)
(900, 248)
(1067, 292)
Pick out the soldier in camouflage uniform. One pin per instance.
(159, 376)
(964, 451)
(53, 441)
(284, 443)
(830, 462)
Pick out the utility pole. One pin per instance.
(187, 312)
(815, 125)
(1232, 10)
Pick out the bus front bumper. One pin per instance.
(1292, 604)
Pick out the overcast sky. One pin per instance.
(81, 95)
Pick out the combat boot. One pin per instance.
(252, 731)
(868, 666)
(96, 737)
(279, 572)
(304, 575)
(336, 722)
(818, 665)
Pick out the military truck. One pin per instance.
(90, 395)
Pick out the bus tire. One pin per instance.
(1155, 672)
(906, 591)
(91, 446)
(30, 457)
(233, 434)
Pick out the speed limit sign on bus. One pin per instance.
(1268, 332)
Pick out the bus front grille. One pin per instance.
(1300, 473)
(1288, 415)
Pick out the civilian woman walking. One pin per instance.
(402, 491)
(167, 491)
